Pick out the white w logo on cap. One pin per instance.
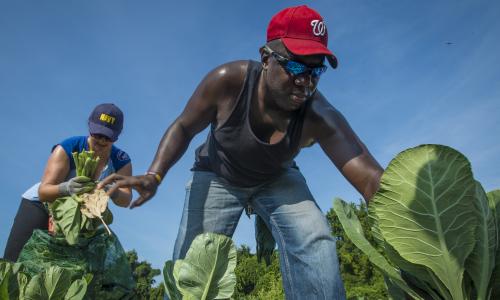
(318, 27)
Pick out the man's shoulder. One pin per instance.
(320, 107)
(225, 81)
(230, 73)
(321, 118)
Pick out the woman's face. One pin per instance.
(100, 143)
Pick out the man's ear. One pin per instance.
(264, 57)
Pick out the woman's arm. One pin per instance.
(56, 170)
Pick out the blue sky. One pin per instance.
(410, 72)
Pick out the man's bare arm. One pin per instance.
(201, 110)
(344, 148)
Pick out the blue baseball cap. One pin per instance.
(106, 119)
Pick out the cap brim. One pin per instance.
(309, 47)
(100, 129)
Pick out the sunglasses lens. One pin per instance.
(316, 72)
(295, 68)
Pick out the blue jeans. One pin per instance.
(308, 258)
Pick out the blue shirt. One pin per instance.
(117, 159)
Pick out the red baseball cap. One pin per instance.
(303, 32)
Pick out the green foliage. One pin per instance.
(255, 280)
(101, 255)
(435, 224)
(361, 278)
(264, 239)
(207, 271)
(144, 276)
(54, 283)
(494, 201)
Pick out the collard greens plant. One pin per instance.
(55, 283)
(207, 271)
(438, 228)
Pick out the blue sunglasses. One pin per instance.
(296, 68)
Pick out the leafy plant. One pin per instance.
(144, 276)
(207, 271)
(81, 215)
(54, 283)
(436, 225)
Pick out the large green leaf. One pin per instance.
(169, 281)
(56, 282)
(425, 207)
(354, 231)
(9, 282)
(68, 218)
(481, 261)
(421, 276)
(207, 271)
(77, 290)
(494, 201)
(35, 289)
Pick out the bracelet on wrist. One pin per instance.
(156, 175)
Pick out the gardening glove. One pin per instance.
(265, 241)
(76, 185)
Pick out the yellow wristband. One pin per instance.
(157, 176)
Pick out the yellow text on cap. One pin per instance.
(106, 118)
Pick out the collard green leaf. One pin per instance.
(5, 275)
(354, 231)
(56, 282)
(77, 290)
(9, 284)
(207, 272)
(425, 208)
(494, 201)
(481, 261)
(264, 239)
(394, 292)
(169, 281)
(35, 289)
(22, 282)
(68, 218)
(429, 283)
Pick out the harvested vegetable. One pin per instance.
(78, 216)
(85, 163)
(94, 205)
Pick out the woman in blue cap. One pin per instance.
(59, 178)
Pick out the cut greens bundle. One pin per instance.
(438, 228)
(80, 215)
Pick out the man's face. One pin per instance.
(290, 91)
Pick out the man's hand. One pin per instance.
(76, 185)
(145, 185)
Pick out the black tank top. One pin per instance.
(234, 153)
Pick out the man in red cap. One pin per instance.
(260, 115)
